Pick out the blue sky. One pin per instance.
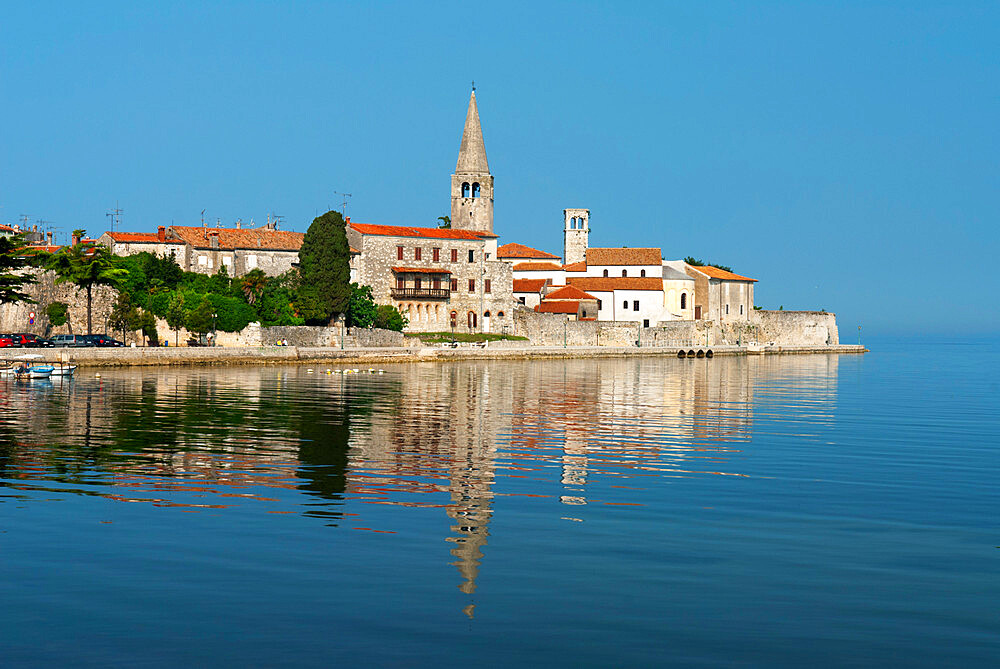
(845, 156)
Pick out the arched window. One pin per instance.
(499, 314)
(605, 272)
(475, 189)
(684, 301)
(465, 189)
(487, 314)
(624, 272)
(642, 273)
(625, 305)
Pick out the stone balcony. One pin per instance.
(421, 293)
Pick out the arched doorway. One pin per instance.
(472, 320)
(486, 321)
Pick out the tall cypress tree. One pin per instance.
(324, 267)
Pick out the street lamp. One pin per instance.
(214, 330)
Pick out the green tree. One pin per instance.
(324, 266)
(200, 319)
(13, 279)
(696, 262)
(252, 284)
(176, 315)
(124, 316)
(147, 323)
(58, 314)
(85, 264)
(445, 223)
(361, 307)
(387, 317)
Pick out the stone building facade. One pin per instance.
(720, 295)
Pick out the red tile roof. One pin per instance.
(6, 228)
(576, 266)
(569, 293)
(420, 270)
(237, 238)
(144, 237)
(513, 250)
(604, 284)
(528, 285)
(537, 267)
(427, 233)
(717, 273)
(558, 307)
(626, 256)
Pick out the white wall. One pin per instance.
(632, 270)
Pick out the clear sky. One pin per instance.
(844, 154)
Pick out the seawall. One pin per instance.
(269, 355)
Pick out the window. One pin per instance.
(227, 261)
(454, 285)
(635, 305)
(499, 314)
(487, 286)
(584, 314)
(436, 253)
(416, 252)
(454, 255)
(727, 309)
(472, 256)
(251, 261)
(624, 272)
(625, 305)
(400, 283)
(202, 261)
(598, 305)
(487, 314)
(605, 272)
(642, 273)
(475, 189)
(684, 300)
(521, 299)
(645, 322)
(472, 285)
(741, 310)
(436, 283)
(465, 190)
(472, 319)
(399, 253)
(416, 284)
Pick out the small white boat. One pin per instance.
(63, 369)
(26, 367)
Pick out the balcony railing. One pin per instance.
(425, 293)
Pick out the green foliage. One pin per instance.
(756, 308)
(176, 315)
(325, 270)
(445, 223)
(361, 307)
(441, 337)
(12, 277)
(58, 313)
(387, 317)
(695, 262)
(125, 317)
(274, 306)
(232, 314)
(86, 265)
(199, 320)
(147, 323)
(252, 284)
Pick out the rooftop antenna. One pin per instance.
(203, 218)
(115, 215)
(24, 220)
(343, 205)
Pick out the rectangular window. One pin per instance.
(645, 322)
(202, 261)
(472, 256)
(399, 253)
(416, 283)
(727, 309)
(625, 305)
(251, 261)
(521, 299)
(488, 286)
(437, 255)
(598, 305)
(472, 285)
(741, 310)
(635, 305)
(400, 283)
(454, 255)
(227, 261)
(416, 252)
(437, 283)
(454, 285)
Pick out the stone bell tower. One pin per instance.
(472, 183)
(576, 230)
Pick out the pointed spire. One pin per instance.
(472, 153)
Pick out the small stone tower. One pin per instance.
(576, 229)
(472, 183)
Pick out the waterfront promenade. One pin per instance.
(247, 355)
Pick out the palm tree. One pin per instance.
(445, 222)
(252, 284)
(85, 264)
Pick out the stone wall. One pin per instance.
(796, 328)
(375, 337)
(14, 317)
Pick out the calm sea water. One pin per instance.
(776, 511)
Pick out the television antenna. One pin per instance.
(115, 215)
(343, 205)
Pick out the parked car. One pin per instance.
(70, 340)
(102, 341)
(28, 340)
(6, 341)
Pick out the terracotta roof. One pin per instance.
(569, 293)
(558, 307)
(6, 228)
(717, 273)
(626, 256)
(427, 233)
(604, 284)
(537, 267)
(521, 251)
(528, 285)
(237, 238)
(354, 251)
(145, 237)
(421, 270)
(576, 266)
(42, 247)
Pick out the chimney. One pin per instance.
(214, 238)
(161, 234)
(74, 239)
(347, 220)
(239, 223)
(50, 238)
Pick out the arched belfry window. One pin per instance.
(465, 189)
(642, 273)
(624, 272)
(475, 189)
(605, 272)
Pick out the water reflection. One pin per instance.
(453, 437)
